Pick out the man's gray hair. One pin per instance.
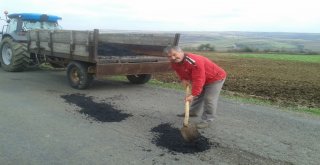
(170, 48)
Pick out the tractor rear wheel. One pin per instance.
(14, 56)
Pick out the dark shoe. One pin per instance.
(203, 124)
(191, 114)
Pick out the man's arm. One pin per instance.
(198, 78)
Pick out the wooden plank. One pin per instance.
(45, 45)
(33, 45)
(62, 55)
(62, 36)
(44, 35)
(32, 35)
(83, 37)
(61, 48)
(79, 37)
(81, 50)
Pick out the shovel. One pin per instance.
(189, 131)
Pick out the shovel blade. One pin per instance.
(190, 133)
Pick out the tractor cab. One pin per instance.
(19, 23)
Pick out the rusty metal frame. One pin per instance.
(132, 68)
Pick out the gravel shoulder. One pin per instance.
(40, 126)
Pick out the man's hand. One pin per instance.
(189, 98)
(185, 83)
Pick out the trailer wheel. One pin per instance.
(14, 56)
(78, 75)
(139, 79)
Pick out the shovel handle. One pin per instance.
(187, 108)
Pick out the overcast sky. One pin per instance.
(178, 15)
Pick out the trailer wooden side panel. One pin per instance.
(82, 43)
(62, 36)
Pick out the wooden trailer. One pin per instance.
(89, 54)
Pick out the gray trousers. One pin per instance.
(207, 101)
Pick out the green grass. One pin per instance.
(152, 82)
(314, 111)
(241, 98)
(158, 83)
(258, 101)
(283, 57)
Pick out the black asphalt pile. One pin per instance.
(171, 139)
(114, 50)
(102, 112)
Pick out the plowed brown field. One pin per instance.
(284, 82)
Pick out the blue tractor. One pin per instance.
(14, 55)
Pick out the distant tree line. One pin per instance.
(205, 47)
(201, 47)
(245, 48)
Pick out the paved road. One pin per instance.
(38, 126)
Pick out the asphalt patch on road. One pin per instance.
(103, 112)
(171, 139)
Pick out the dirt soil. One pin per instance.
(283, 82)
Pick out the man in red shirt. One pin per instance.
(204, 76)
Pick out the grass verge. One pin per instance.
(231, 95)
(260, 101)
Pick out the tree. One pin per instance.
(206, 47)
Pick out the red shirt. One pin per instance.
(199, 70)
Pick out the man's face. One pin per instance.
(175, 56)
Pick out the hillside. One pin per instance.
(257, 41)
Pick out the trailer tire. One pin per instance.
(139, 79)
(14, 56)
(78, 75)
